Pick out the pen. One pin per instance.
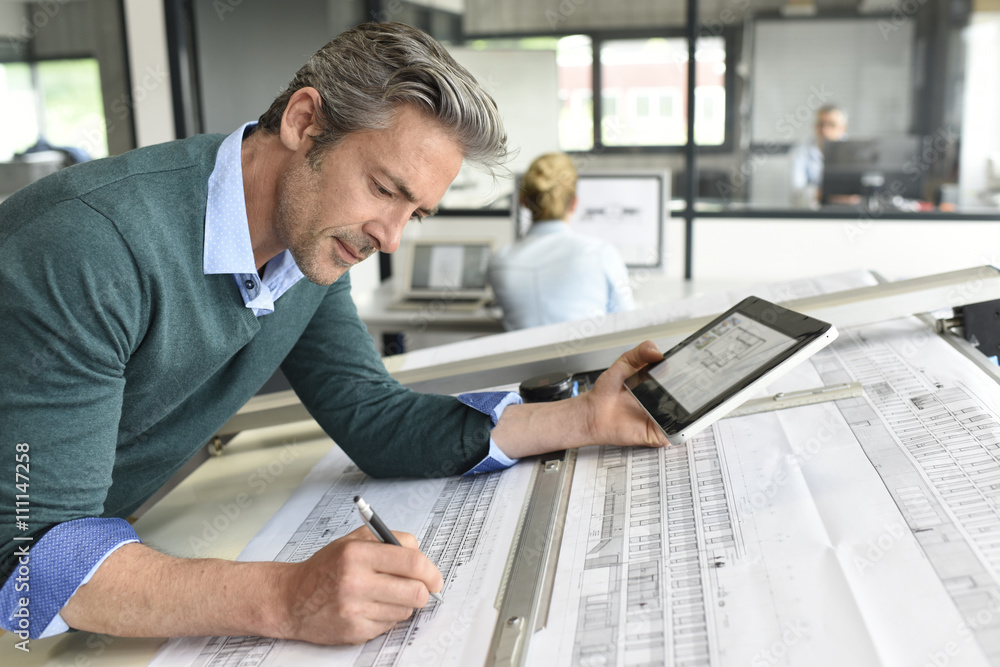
(380, 530)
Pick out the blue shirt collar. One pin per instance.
(227, 246)
(227, 229)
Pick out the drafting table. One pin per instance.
(434, 323)
(693, 555)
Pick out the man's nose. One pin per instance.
(387, 233)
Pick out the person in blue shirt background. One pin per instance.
(807, 158)
(553, 274)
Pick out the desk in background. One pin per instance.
(427, 325)
(435, 323)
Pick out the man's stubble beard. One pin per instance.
(299, 185)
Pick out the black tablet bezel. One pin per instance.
(670, 415)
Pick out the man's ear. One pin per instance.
(299, 121)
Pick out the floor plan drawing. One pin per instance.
(462, 524)
(938, 451)
(715, 554)
(631, 566)
(862, 531)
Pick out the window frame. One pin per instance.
(597, 38)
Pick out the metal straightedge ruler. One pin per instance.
(793, 399)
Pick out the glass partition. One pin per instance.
(644, 92)
(870, 109)
(877, 114)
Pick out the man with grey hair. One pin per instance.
(148, 296)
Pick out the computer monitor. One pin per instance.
(626, 210)
(449, 269)
(883, 166)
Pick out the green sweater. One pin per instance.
(120, 358)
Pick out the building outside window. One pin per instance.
(643, 90)
(58, 100)
(652, 75)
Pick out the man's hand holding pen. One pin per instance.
(359, 586)
(356, 588)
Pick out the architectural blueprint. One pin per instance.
(463, 524)
(863, 531)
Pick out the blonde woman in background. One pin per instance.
(554, 274)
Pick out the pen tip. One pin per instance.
(357, 498)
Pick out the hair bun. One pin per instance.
(549, 186)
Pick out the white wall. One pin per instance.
(853, 63)
(524, 85)
(248, 52)
(756, 250)
(146, 40)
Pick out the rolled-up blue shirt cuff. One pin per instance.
(492, 403)
(50, 571)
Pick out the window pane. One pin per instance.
(18, 110)
(576, 118)
(668, 104)
(643, 69)
(710, 92)
(74, 110)
(642, 104)
(609, 102)
(652, 74)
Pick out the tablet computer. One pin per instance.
(717, 368)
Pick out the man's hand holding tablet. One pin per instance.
(717, 368)
(697, 382)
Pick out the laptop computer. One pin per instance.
(450, 274)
